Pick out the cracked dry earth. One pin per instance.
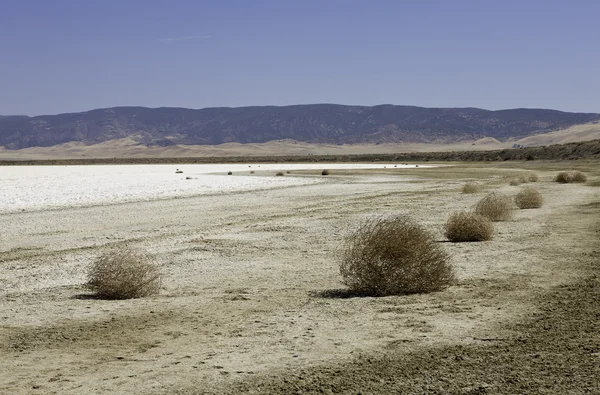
(243, 307)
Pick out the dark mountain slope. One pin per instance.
(318, 123)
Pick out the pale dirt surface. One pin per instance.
(243, 307)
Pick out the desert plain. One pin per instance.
(252, 299)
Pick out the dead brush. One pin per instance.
(470, 187)
(578, 176)
(564, 177)
(393, 255)
(496, 206)
(124, 273)
(529, 198)
(567, 177)
(465, 226)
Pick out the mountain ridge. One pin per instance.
(311, 123)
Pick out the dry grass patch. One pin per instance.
(124, 274)
(394, 255)
(496, 206)
(529, 198)
(470, 187)
(464, 226)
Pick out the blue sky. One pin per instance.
(75, 55)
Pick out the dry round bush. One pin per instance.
(578, 176)
(514, 182)
(279, 174)
(124, 274)
(567, 177)
(529, 198)
(325, 172)
(564, 177)
(470, 187)
(392, 256)
(464, 226)
(496, 206)
(533, 177)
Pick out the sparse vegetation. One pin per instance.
(124, 274)
(464, 226)
(470, 187)
(251, 171)
(204, 241)
(496, 206)
(514, 182)
(394, 255)
(529, 198)
(325, 172)
(567, 177)
(279, 174)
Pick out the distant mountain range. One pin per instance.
(316, 123)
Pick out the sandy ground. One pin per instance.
(244, 305)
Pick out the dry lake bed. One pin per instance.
(249, 301)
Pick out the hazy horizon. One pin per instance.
(293, 105)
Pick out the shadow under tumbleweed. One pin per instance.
(340, 293)
(86, 296)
